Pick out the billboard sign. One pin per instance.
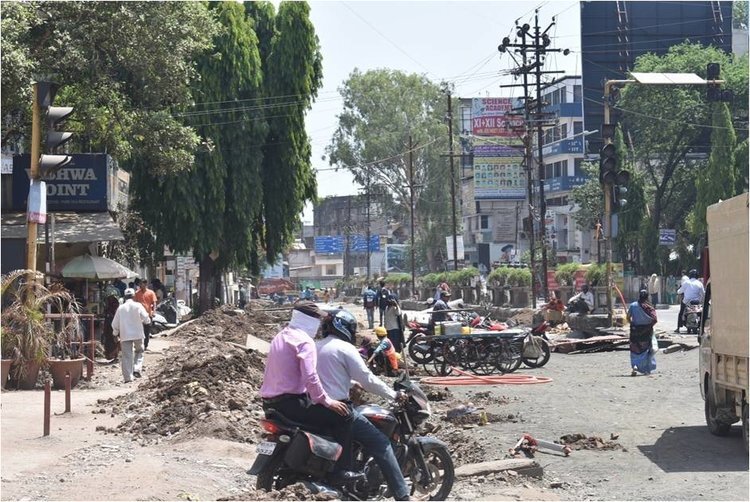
(667, 236)
(497, 158)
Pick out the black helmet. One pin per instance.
(344, 325)
(693, 274)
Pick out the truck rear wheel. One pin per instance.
(715, 426)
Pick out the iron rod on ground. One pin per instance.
(67, 392)
(47, 396)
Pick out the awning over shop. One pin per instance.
(69, 228)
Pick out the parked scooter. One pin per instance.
(166, 316)
(292, 452)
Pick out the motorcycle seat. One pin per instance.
(277, 416)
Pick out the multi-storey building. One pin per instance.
(563, 151)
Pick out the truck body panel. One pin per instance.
(723, 359)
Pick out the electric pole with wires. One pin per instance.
(533, 48)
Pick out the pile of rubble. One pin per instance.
(582, 442)
(232, 325)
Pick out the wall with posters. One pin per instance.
(497, 154)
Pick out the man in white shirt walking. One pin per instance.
(128, 326)
(339, 363)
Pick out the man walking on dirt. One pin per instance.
(368, 299)
(127, 325)
(147, 298)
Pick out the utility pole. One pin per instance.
(367, 201)
(411, 214)
(539, 46)
(36, 139)
(453, 178)
(540, 145)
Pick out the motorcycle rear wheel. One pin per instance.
(420, 341)
(540, 361)
(271, 478)
(441, 467)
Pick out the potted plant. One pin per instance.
(65, 355)
(26, 334)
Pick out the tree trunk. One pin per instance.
(207, 284)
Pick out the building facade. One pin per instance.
(563, 150)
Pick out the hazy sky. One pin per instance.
(453, 41)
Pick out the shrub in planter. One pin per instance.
(499, 276)
(596, 274)
(519, 277)
(564, 274)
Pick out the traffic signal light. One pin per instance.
(607, 164)
(50, 117)
(620, 190)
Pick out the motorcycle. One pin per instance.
(691, 318)
(166, 316)
(293, 452)
(536, 351)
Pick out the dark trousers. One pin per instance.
(397, 338)
(301, 409)
(382, 313)
(146, 335)
(680, 322)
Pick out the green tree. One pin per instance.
(213, 209)
(666, 124)
(123, 66)
(589, 198)
(717, 181)
(292, 77)
(382, 108)
(741, 168)
(740, 14)
(631, 217)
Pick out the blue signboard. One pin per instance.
(667, 236)
(336, 244)
(329, 244)
(574, 145)
(563, 183)
(80, 186)
(357, 243)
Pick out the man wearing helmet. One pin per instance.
(339, 363)
(292, 387)
(692, 291)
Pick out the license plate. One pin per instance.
(265, 448)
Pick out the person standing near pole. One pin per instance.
(127, 325)
(147, 298)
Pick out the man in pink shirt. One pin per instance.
(292, 387)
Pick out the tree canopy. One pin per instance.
(382, 108)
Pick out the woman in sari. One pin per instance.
(642, 317)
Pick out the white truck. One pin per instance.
(724, 328)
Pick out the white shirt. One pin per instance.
(692, 289)
(390, 319)
(587, 297)
(129, 320)
(339, 363)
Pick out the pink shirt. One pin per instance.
(291, 367)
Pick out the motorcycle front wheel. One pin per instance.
(440, 464)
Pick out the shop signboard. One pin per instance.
(81, 186)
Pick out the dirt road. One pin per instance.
(665, 453)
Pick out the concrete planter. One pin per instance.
(60, 367)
